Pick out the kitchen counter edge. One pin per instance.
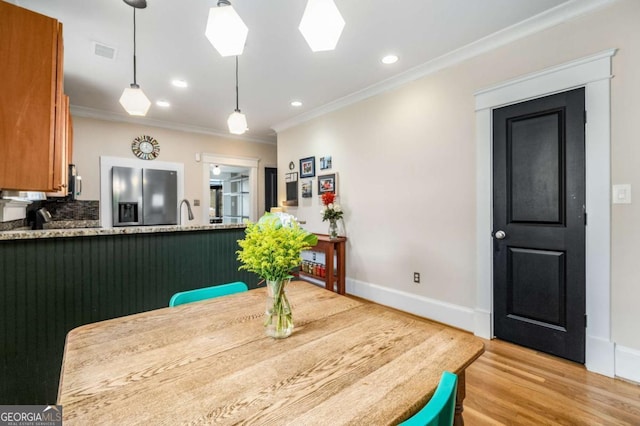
(88, 232)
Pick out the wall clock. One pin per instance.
(145, 147)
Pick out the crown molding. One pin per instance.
(81, 111)
(580, 72)
(535, 24)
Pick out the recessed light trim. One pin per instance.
(180, 83)
(296, 104)
(390, 59)
(162, 103)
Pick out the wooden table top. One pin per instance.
(348, 361)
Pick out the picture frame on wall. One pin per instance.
(291, 184)
(291, 177)
(328, 183)
(325, 162)
(308, 167)
(307, 189)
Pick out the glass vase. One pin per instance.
(333, 229)
(278, 322)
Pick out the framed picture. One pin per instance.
(308, 167)
(327, 183)
(291, 177)
(325, 162)
(291, 183)
(307, 189)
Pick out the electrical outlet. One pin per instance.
(416, 277)
(313, 254)
(196, 203)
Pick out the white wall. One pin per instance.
(393, 158)
(406, 160)
(94, 138)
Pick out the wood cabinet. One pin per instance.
(63, 151)
(334, 273)
(33, 111)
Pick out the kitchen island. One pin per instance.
(54, 280)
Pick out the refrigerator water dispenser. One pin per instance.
(128, 213)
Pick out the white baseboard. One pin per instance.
(446, 313)
(482, 321)
(627, 363)
(600, 356)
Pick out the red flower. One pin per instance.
(328, 198)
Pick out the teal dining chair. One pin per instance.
(440, 409)
(207, 293)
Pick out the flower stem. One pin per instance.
(278, 320)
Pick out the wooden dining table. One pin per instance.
(348, 361)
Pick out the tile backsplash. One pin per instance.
(64, 214)
(62, 209)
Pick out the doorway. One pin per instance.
(238, 177)
(593, 73)
(230, 194)
(270, 188)
(539, 224)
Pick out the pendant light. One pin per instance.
(217, 170)
(321, 25)
(138, 4)
(237, 122)
(133, 100)
(225, 29)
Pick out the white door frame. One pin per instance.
(594, 74)
(209, 160)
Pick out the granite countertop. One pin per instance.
(28, 234)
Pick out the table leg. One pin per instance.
(461, 393)
(328, 276)
(341, 267)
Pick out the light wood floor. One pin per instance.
(511, 385)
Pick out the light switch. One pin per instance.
(621, 194)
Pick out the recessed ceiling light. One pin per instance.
(180, 83)
(390, 59)
(296, 104)
(163, 103)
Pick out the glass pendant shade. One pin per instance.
(134, 101)
(321, 25)
(237, 123)
(226, 31)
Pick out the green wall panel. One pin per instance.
(50, 286)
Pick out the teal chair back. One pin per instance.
(207, 293)
(440, 409)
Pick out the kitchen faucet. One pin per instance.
(189, 212)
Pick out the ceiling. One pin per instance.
(277, 65)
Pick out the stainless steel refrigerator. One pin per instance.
(144, 196)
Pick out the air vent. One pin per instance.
(104, 51)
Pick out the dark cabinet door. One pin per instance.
(539, 224)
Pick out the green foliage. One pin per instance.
(272, 246)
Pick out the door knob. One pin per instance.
(500, 235)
